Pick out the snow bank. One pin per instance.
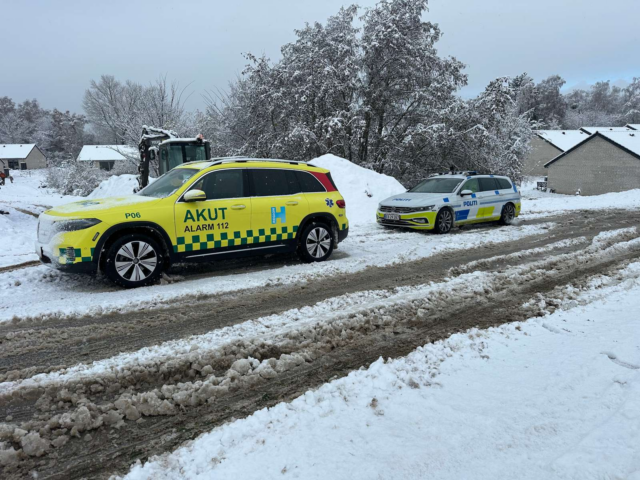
(554, 397)
(361, 188)
(116, 186)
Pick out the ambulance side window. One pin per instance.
(274, 182)
(224, 184)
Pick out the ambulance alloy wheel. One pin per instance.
(508, 214)
(134, 261)
(444, 221)
(315, 243)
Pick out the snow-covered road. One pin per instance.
(556, 397)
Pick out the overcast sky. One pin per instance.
(50, 50)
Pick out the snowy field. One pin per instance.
(552, 397)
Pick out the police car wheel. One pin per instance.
(508, 214)
(444, 221)
(315, 243)
(134, 261)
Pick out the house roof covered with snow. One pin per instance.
(634, 126)
(16, 150)
(629, 141)
(605, 129)
(562, 139)
(107, 153)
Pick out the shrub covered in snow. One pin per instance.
(77, 178)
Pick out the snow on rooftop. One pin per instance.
(106, 153)
(606, 129)
(634, 126)
(15, 150)
(629, 140)
(563, 139)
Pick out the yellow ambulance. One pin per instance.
(199, 211)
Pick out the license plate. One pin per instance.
(391, 216)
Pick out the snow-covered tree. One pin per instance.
(117, 111)
(631, 105)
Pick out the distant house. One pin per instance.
(606, 161)
(22, 156)
(106, 156)
(591, 130)
(548, 144)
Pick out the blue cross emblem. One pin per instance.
(329, 202)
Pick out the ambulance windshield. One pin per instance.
(168, 183)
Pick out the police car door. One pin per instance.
(468, 204)
(220, 223)
(490, 199)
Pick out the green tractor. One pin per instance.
(169, 151)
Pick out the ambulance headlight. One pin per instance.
(73, 225)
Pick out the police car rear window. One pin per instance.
(488, 184)
(504, 183)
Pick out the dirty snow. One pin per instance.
(555, 397)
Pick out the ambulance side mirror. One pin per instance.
(464, 193)
(194, 196)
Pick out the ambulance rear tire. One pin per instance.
(444, 221)
(134, 260)
(315, 244)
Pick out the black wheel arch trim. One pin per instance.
(333, 221)
(111, 231)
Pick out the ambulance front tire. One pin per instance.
(315, 244)
(134, 260)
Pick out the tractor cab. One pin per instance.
(174, 152)
(161, 150)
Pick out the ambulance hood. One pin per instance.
(85, 207)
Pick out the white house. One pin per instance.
(26, 156)
(105, 156)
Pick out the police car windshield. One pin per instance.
(437, 185)
(168, 183)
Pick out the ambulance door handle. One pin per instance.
(238, 207)
(292, 203)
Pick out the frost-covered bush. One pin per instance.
(75, 178)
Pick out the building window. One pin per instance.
(14, 164)
(107, 165)
(23, 166)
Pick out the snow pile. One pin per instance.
(361, 188)
(115, 186)
(552, 397)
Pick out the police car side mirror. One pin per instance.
(464, 193)
(194, 196)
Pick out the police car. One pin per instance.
(200, 211)
(454, 198)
